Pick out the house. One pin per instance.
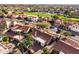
(20, 28)
(64, 44)
(67, 46)
(56, 25)
(74, 29)
(40, 39)
(17, 28)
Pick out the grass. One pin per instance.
(43, 14)
(69, 19)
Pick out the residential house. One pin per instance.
(40, 39)
(67, 46)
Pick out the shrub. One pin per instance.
(43, 25)
(55, 52)
(45, 51)
(21, 45)
(5, 39)
(66, 33)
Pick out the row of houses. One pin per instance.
(41, 39)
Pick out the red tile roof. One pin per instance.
(72, 43)
(66, 48)
(46, 37)
(23, 28)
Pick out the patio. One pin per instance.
(3, 49)
(36, 47)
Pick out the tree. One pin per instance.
(55, 17)
(4, 11)
(5, 39)
(55, 52)
(67, 33)
(3, 25)
(17, 33)
(43, 25)
(66, 13)
(21, 45)
(45, 51)
(27, 41)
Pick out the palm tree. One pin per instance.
(27, 41)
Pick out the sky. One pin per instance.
(39, 2)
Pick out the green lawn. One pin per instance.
(68, 19)
(40, 14)
(43, 14)
(49, 15)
